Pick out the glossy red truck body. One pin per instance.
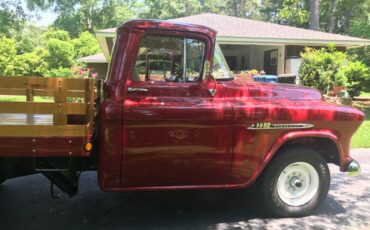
(179, 136)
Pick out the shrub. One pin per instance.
(59, 72)
(321, 69)
(358, 78)
(326, 68)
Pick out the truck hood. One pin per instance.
(270, 91)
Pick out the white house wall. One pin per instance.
(254, 56)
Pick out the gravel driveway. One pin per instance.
(25, 203)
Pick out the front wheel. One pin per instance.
(294, 183)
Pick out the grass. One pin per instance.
(364, 94)
(23, 98)
(361, 139)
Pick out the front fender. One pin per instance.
(283, 138)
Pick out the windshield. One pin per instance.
(221, 70)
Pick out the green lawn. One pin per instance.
(23, 98)
(364, 94)
(361, 139)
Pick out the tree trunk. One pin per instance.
(314, 23)
(346, 21)
(235, 8)
(332, 9)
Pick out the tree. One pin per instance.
(286, 12)
(293, 13)
(8, 53)
(31, 64)
(52, 33)
(86, 44)
(28, 38)
(242, 8)
(12, 17)
(314, 22)
(61, 53)
(166, 9)
(76, 16)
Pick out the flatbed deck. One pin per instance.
(56, 128)
(25, 119)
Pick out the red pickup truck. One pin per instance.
(172, 116)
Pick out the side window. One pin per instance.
(171, 59)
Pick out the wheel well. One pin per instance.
(324, 146)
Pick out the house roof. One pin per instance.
(242, 31)
(238, 29)
(234, 30)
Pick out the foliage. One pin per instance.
(87, 15)
(55, 34)
(358, 78)
(74, 72)
(59, 72)
(241, 8)
(8, 53)
(85, 45)
(325, 68)
(28, 38)
(61, 53)
(294, 13)
(12, 17)
(320, 69)
(31, 64)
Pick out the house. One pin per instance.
(247, 44)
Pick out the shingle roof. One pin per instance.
(241, 30)
(228, 26)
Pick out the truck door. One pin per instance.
(174, 132)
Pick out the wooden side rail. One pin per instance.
(71, 97)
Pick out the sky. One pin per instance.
(45, 18)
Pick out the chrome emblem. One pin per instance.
(266, 125)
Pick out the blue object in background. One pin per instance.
(265, 78)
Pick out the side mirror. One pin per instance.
(206, 70)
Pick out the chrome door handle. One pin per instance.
(136, 89)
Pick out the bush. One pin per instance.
(358, 78)
(59, 72)
(325, 68)
(321, 69)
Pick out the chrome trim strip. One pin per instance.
(266, 125)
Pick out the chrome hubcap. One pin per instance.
(298, 183)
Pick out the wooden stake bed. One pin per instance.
(68, 117)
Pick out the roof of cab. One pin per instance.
(166, 25)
